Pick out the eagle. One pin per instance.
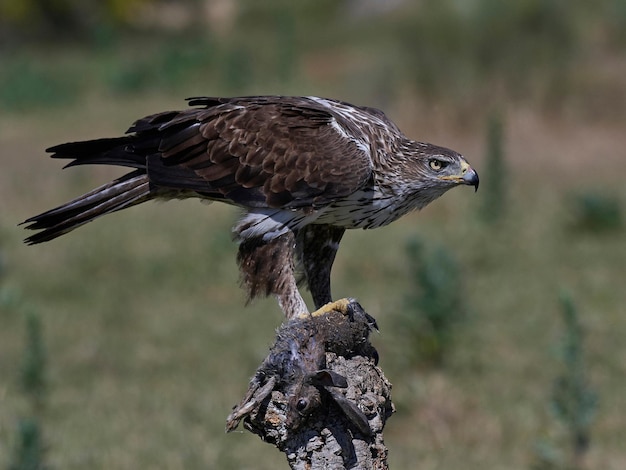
(303, 169)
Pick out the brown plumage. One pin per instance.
(304, 169)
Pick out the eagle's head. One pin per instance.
(429, 171)
(445, 166)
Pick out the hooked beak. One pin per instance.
(468, 176)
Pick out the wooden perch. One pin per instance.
(319, 396)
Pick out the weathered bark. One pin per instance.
(344, 428)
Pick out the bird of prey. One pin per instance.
(303, 169)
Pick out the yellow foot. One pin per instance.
(340, 306)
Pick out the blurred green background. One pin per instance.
(141, 343)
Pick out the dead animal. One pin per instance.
(296, 367)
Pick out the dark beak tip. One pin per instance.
(471, 179)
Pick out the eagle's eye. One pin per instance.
(437, 164)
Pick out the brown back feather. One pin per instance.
(259, 152)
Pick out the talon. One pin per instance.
(341, 306)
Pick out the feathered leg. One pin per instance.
(316, 249)
(267, 267)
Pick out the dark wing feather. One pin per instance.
(259, 152)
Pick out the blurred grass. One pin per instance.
(148, 342)
(434, 306)
(596, 212)
(560, 56)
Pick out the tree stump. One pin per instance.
(319, 396)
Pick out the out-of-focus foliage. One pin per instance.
(494, 185)
(26, 442)
(594, 211)
(55, 20)
(30, 451)
(434, 304)
(504, 42)
(27, 84)
(33, 373)
(30, 448)
(473, 53)
(572, 403)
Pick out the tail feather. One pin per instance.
(128, 190)
(140, 149)
(120, 151)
